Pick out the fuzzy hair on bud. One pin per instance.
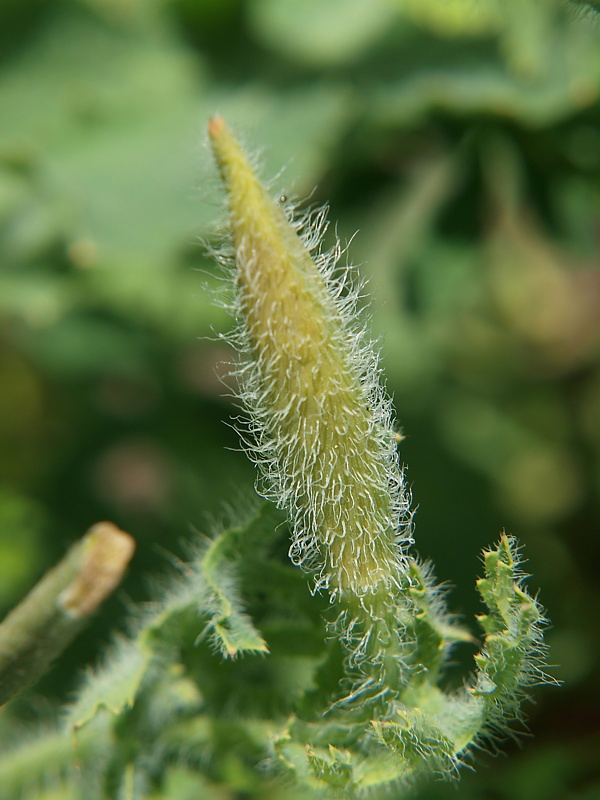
(320, 423)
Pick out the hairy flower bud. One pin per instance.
(321, 424)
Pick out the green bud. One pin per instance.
(321, 424)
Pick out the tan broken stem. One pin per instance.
(59, 606)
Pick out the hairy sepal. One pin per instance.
(320, 426)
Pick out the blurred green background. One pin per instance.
(461, 139)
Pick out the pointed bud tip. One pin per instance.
(216, 126)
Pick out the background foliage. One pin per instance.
(462, 139)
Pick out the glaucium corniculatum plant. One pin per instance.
(320, 429)
(350, 706)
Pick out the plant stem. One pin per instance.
(58, 607)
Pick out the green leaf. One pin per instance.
(568, 82)
(416, 739)
(45, 762)
(433, 629)
(206, 588)
(232, 630)
(94, 141)
(112, 686)
(512, 657)
(321, 32)
(454, 17)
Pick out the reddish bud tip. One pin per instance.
(215, 126)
